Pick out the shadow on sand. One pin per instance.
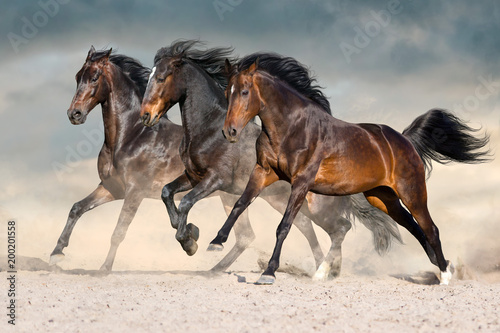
(424, 278)
(31, 264)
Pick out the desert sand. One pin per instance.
(141, 301)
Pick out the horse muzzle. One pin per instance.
(149, 121)
(231, 134)
(76, 116)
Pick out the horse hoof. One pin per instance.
(215, 247)
(56, 258)
(193, 231)
(105, 268)
(322, 273)
(446, 276)
(265, 280)
(190, 246)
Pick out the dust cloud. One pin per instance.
(463, 200)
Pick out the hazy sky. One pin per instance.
(381, 61)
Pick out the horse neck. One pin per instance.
(121, 109)
(282, 107)
(203, 108)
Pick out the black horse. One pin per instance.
(196, 80)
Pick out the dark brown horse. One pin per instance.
(195, 79)
(135, 161)
(303, 144)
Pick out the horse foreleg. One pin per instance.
(130, 206)
(259, 180)
(98, 197)
(243, 232)
(303, 223)
(187, 234)
(299, 192)
(180, 184)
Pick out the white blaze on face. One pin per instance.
(232, 89)
(152, 73)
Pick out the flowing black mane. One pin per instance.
(130, 67)
(289, 70)
(210, 60)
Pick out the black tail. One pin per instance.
(383, 228)
(441, 136)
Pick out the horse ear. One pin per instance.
(91, 53)
(254, 67)
(227, 67)
(105, 58)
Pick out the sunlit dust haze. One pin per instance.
(378, 61)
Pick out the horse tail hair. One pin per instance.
(443, 137)
(384, 229)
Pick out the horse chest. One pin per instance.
(194, 167)
(105, 164)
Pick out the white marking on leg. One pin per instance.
(446, 276)
(322, 272)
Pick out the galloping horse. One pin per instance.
(303, 144)
(135, 161)
(196, 80)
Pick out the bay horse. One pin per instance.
(196, 79)
(302, 143)
(135, 161)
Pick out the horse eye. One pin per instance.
(160, 79)
(244, 92)
(95, 78)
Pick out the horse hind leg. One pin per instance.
(327, 212)
(242, 230)
(386, 200)
(337, 228)
(417, 205)
(424, 231)
(303, 223)
(130, 206)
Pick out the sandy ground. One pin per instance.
(139, 301)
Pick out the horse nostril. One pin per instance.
(145, 117)
(77, 114)
(232, 132)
